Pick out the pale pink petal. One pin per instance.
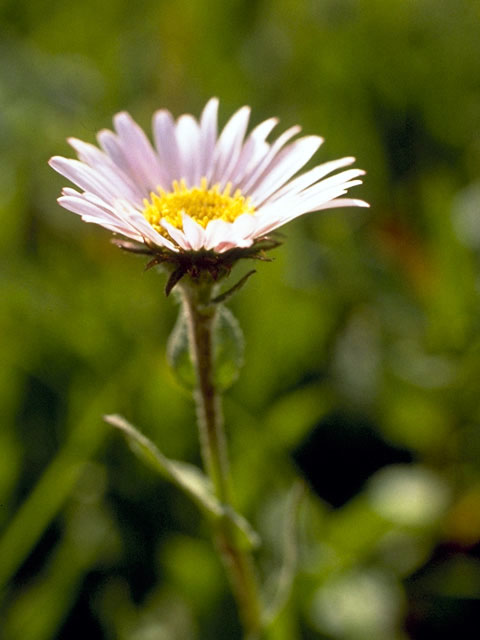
(260, 169)
(221, 236)
(229, 146)
(314, 201)
(176, 234)
(310, 177)
(343, 202)
(208, 137)
(245, 225)
(285, 209)
(92, 213)
(254, 149)
(89, 153)
(194, 233)
(289, 161)
(216, 232)
(102, 163)
(127, 159)
(138, 222)
(128, 233)
(188, 142)
(83, 176)
(142, 160)
(68, 191)
(342, 178)
(166, 144)
(278, 214)
(232, 243)
(110, 143)
(78, 204)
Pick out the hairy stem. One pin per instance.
(200, 313)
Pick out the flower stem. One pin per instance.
(200, 313)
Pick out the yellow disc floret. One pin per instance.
(202, 204)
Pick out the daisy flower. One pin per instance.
(197, 191)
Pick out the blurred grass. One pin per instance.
(374, 314)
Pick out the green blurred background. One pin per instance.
(363, 350)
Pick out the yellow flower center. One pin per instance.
(200, 203)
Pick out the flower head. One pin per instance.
(197, 190)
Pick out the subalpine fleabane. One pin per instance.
(197, 191)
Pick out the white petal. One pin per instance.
(68, 191)
(310, 177)
(142, 160)
(221, 236)
(176, 234)
(342, 178)
(262, 166)
(216, 232)
(229, 146)
(314, 201)
(194, 233)
(128, 233)
(98, 202)
(278, 214)
(245, 225)
(188, 141)
(101, 162)
(83, 176)
(233, 243)
(113, 148)
(89, 153)
(254, 149)
(343, 202)
(138, 222)
(91, 213)
(287, 208)
(166, 144)
(78, 204)
(288, 162)
(208, 137)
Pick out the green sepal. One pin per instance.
(223, 297)
(187, 477)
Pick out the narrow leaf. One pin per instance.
(286, 575)
(187, 477)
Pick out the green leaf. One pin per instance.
(195, 484)
(228, 354)
(178, 353)
(229, 349)
(248, 537)
(286, 575)
(187, 477)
